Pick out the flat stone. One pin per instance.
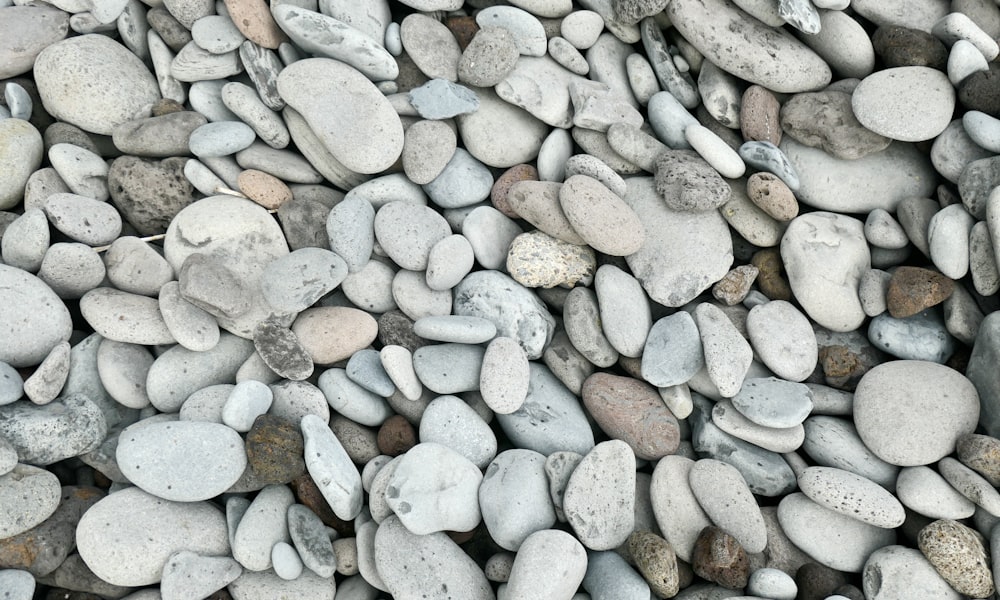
(688, 183)
(672, 353)
(852, 495)
(892, 571)
(431, 46)
(21, 152)
(364, 134)
(441, 99)
(774, 402)
(884, 103)
(199, 369)
(727, 354)
(783, 339)
(811, 527)
(665, 263)
(732, 421)
(28, 30)
(923, 490)
(116, 526)
(352, 400)
(464, 181)
(599, 497)
(125, 317)
(970, 484)
(331, 468)
(834, 442)
(93, 82)
(181, 461)
(922, 336)
(187, 573)
(295, 282)
(256, 584)
(526, 87)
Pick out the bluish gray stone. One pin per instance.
(672, 354)
(514, 497)
(450, 421)
(352, 400)
(298, 280)
(309, 535)
(449, 368)
(11, 384)
(191, 575)
(765, 156)
(263, 525)
(441, 99)
(609, 577)
(920, 337)
(221, 139)
(365, 369)
(247, 401)
(774, 402)
(551, 418)
(456, 329)
(463, 182)
(331, 468)
(834, 442)
(349, 227)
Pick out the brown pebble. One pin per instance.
(769, 278)
(958, 555)
(632, 411)
(360, 442)
(841, 367)
(735, 285)
(264, 189)
(274, 450)
(981, 453)
(719, 558)
(307, 492)
(396, 329)
(253, 19)
(914, 289)
(463, 28)
(904, 47)
(773, 196)
(166, 106)
(396, 436)
(760, 116)
(498, 195)
(816, 581)
(656, 561)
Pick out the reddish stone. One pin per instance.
(396, 436)
(913, 289)
(719, 558)
(632, 411)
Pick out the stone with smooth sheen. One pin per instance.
(514, 497)
(724, 496)
(923, 490)
(83, 219)
(434, 488)
(600, 496)
(825, 254)
(783, 339)
(888, 103)
(364, 134)
(683, 253)
(913, 412)
(125, 317)
(93, 82)
(182, 461)
(852, 495)
(117, 527)
(413, 565)
(720, 31)
(830, 538)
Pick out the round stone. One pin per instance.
(910, 104)
(94, 83)
(911, 412)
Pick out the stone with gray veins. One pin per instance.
(93, 82)
(365, 133)
(683, 253)
(765, 156)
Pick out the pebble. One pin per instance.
(774, 402)
(811, 527)
(883, 104)
(852, 495)
(923, 490)
(298, 280)
(42, 435)
(782, 339)
(83, 171)
(514, 497)
(772, 583)
(537, 259)
(900, 435)
(893, 571)
(449, 421)
(826, 120)
(731, 421)
(688, 183)
(261, 526)
(27, 31)
(970, 484)
(132, 180)
(964, 59)
(31, 494)
(95, 96)
(267, 584)
(834, 442)
(431, 46)
(724, 496)
(672, 353)
(117, 526)
(923, 336)
(352, 400)
(599, 498)
(720, 559)
(19, 584)
(434, 488)
(727, 354)
(365, 135)
(958, 555)
(49, 377)
(665, 263)
(504, 375)
(331, 468)
(581, 28)
(189, 574)
(789, 67)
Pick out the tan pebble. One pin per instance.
(735, 286)
(773, 196)
(982, 454)
(958, 556)
(333, 333)
(719, 558)
(253, 19)
(537, 259)
(346, 551)
(656, 561)
(760, 116)
(264, 189)
(498, 195)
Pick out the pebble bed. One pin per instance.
(538, 300)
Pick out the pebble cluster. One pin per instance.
(538, 299)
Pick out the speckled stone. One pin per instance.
(631, 410)
(274, 449)
(914, 289)
(656, 561)
(719, 558)
(982, 454)
(958, 555)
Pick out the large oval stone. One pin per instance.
(747, 48)
(345, 110)
(94, 83)
(184, 461)
(911, 104)
(127, 538)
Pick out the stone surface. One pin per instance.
(629, 410)
(599, 498)
(719, 558)
(884, 103)
(958, 556)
